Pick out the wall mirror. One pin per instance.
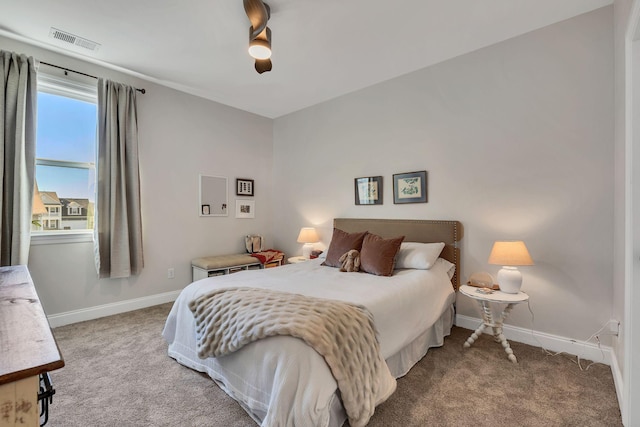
(213, 196)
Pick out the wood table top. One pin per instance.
(27, 345)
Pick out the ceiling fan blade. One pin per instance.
(263, 65)
(258, 13)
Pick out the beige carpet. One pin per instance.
(118, 373)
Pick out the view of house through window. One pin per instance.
(65, 160)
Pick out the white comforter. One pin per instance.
(280, 381)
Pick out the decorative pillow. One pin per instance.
(449, 267)
(341, 243)
(420, 256)
(378, 255)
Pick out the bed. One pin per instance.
(280, 380)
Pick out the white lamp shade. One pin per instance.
(510, 253)
(308, 235)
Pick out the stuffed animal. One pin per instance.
(350, 261)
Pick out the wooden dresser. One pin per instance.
(27, 348)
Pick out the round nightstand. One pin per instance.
(488, 320)
(297, 259)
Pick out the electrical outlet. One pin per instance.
(614, 327)
(171, 273)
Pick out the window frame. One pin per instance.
(83, 89)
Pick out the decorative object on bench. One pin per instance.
(350, 261)
(270, 257)
(253, 243)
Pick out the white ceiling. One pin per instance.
(321, 48)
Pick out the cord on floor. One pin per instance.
(570, 357)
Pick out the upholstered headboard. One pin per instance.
(414, 230)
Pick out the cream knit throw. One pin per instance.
(343, 333)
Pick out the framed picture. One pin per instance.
(410, 187)
(245, 209)
(368, 190)
(244, 187)
(206, 210)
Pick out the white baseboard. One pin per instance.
(618, 380)
(553, 343)
(98, 311)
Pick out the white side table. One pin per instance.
(488, 319)
(297, 259)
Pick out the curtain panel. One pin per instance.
(118, 226)
(18, 100)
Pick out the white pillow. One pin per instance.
(421, 256)
(448, 266)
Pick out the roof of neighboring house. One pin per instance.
(50, 197)
(82, 203)
(38, 207)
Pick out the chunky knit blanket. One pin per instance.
(343, 333)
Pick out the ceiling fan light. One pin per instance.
(260, 49)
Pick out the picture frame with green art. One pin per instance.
(410, 187)
(368, 190)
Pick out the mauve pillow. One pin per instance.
(341, 243)
(378, 255)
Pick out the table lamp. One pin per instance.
(308, 236)
(510, 254)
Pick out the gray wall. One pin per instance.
(517, 139)
(180, 136)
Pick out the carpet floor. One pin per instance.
(118, 373)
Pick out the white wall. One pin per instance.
(180, 136)
(627, 233)
(622, 10)
(517, 139)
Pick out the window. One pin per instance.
(65, 155)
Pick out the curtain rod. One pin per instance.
(82, 74)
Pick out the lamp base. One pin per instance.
(306, 250)
(510, 280)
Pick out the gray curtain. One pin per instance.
(18, 100)
(118, 219)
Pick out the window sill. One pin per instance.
(60, 237)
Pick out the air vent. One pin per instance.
(73, 39)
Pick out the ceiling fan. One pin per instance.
(259, 13)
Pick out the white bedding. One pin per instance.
(280, 381)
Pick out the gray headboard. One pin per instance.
(414, 230)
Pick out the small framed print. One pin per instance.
(244, 187)
(245, 209)
(368, 190)
(206, 210)
(410, 187)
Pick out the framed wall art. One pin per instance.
(213, 195)
(368, 190)
(410, 187)
(245, 209)
(244, 187)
